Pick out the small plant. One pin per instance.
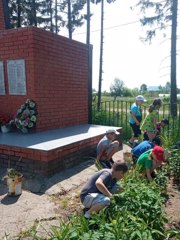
(174, 162)
(162, 179)
(12, 173)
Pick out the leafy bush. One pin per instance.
(174, 162)
(134, 214)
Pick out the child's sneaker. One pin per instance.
(130, 144)
(87, 215)
(136, 142)
(85, 210)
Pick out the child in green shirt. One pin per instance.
(149, 123)
(150, 160)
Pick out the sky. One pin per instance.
(125, 56)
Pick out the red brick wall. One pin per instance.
(33, 161)
(56, 76)
(2, 23)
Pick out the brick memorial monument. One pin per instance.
(53, 71)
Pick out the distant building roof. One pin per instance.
(153, 88)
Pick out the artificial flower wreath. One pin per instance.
(26, 116)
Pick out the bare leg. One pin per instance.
(132, 139)
(96, 208)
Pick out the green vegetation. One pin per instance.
(136, 213)
(174, 163)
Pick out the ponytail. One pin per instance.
(153, 106)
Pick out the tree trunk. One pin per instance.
(18, 14)
(56, 17)
(89, 64)
(69, 19)
(173, 59)
(6, 14)
(34, 13)
(51, 17)
(101, 55)
(88, 23)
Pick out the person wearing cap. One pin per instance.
(106, 148)
(149, 123)
(135, 119)
(150, 160)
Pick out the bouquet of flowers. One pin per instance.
(4, 120)
(26, 116)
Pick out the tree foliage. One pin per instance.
(143, 88)
(73, 17)
(164, 12)
(47, 14)
(158, 21)
(101, 47)
(117, 87)
(168, 87)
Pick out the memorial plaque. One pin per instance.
(16, 77)
(2, 85)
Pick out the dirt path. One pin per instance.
(172, 207)
(48, 201)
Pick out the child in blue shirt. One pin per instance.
(135, 118)
(143, 147)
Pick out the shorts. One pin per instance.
(99, 198)
(96, 198)
(136, 129)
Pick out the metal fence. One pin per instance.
(116, 113)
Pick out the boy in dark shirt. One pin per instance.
(163, 123)
(96, 193)
(106, 148)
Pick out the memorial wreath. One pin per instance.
(26, 117)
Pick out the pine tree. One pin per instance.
(72, 14)
(164, 12)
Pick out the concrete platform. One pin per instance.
(51, 151)
(51, 139)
